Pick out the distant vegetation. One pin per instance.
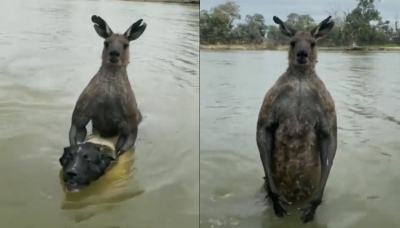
(170, 1)
(361, 26)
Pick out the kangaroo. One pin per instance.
(297, 127)
(108, 100)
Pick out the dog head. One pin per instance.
(85, 163)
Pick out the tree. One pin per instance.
(227, 13)
(257, 23)
(216, 25)
(357, 23)
(300, 22)
(362, 25)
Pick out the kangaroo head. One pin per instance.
(116, 46)
(303, 51)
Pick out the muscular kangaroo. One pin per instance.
(296, 128)
(108, 100)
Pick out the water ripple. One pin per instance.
(50, 51)
(366, 93)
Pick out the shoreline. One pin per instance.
(190, 2)
(264, 47)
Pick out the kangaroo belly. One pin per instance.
(106, 120)
(107, 112)
(296, 162)
(105, 130)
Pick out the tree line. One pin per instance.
(361, 26)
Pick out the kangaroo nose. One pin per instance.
(302, 53)
(114, 54)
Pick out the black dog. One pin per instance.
(86, 162)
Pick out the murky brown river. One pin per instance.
(364, 185)
(49, 52)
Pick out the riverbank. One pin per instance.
(196, 2)
(279, 48)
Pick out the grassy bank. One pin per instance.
(170, 1)
(266, 47)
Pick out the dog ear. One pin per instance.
(105, 161)
(65, 156)
(105, 152)
(105, 156)
(67, 150)
(97, 147)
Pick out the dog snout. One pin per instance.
(72, 173)
(302, 54)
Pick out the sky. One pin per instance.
(315, 8)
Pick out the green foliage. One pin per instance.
(216, 25)
(361, 26)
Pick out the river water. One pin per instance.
(364, 185)
(49, 52)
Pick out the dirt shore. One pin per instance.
(265, 47)
(170, 1)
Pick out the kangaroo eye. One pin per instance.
(85, 156)
(126, 46)
(312, 44)
(292, 44)
(105, 44)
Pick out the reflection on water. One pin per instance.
(50, 52)
(363, 185)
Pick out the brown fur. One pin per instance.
(295, 162)
(108, 83)
(297, 121)
(108, 100)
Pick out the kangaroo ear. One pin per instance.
(285, 30)
(101, 27)
(321, 30)
(136, 30)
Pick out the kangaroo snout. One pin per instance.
(302, 54)
(114, 56)
(114, 53)
(302, 57)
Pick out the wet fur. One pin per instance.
(296, 126)
(85, 163)
(101, 153)
(108, 100)
(114, 186)
(299, 105)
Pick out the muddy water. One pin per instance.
(49, 52)
(363, 188)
